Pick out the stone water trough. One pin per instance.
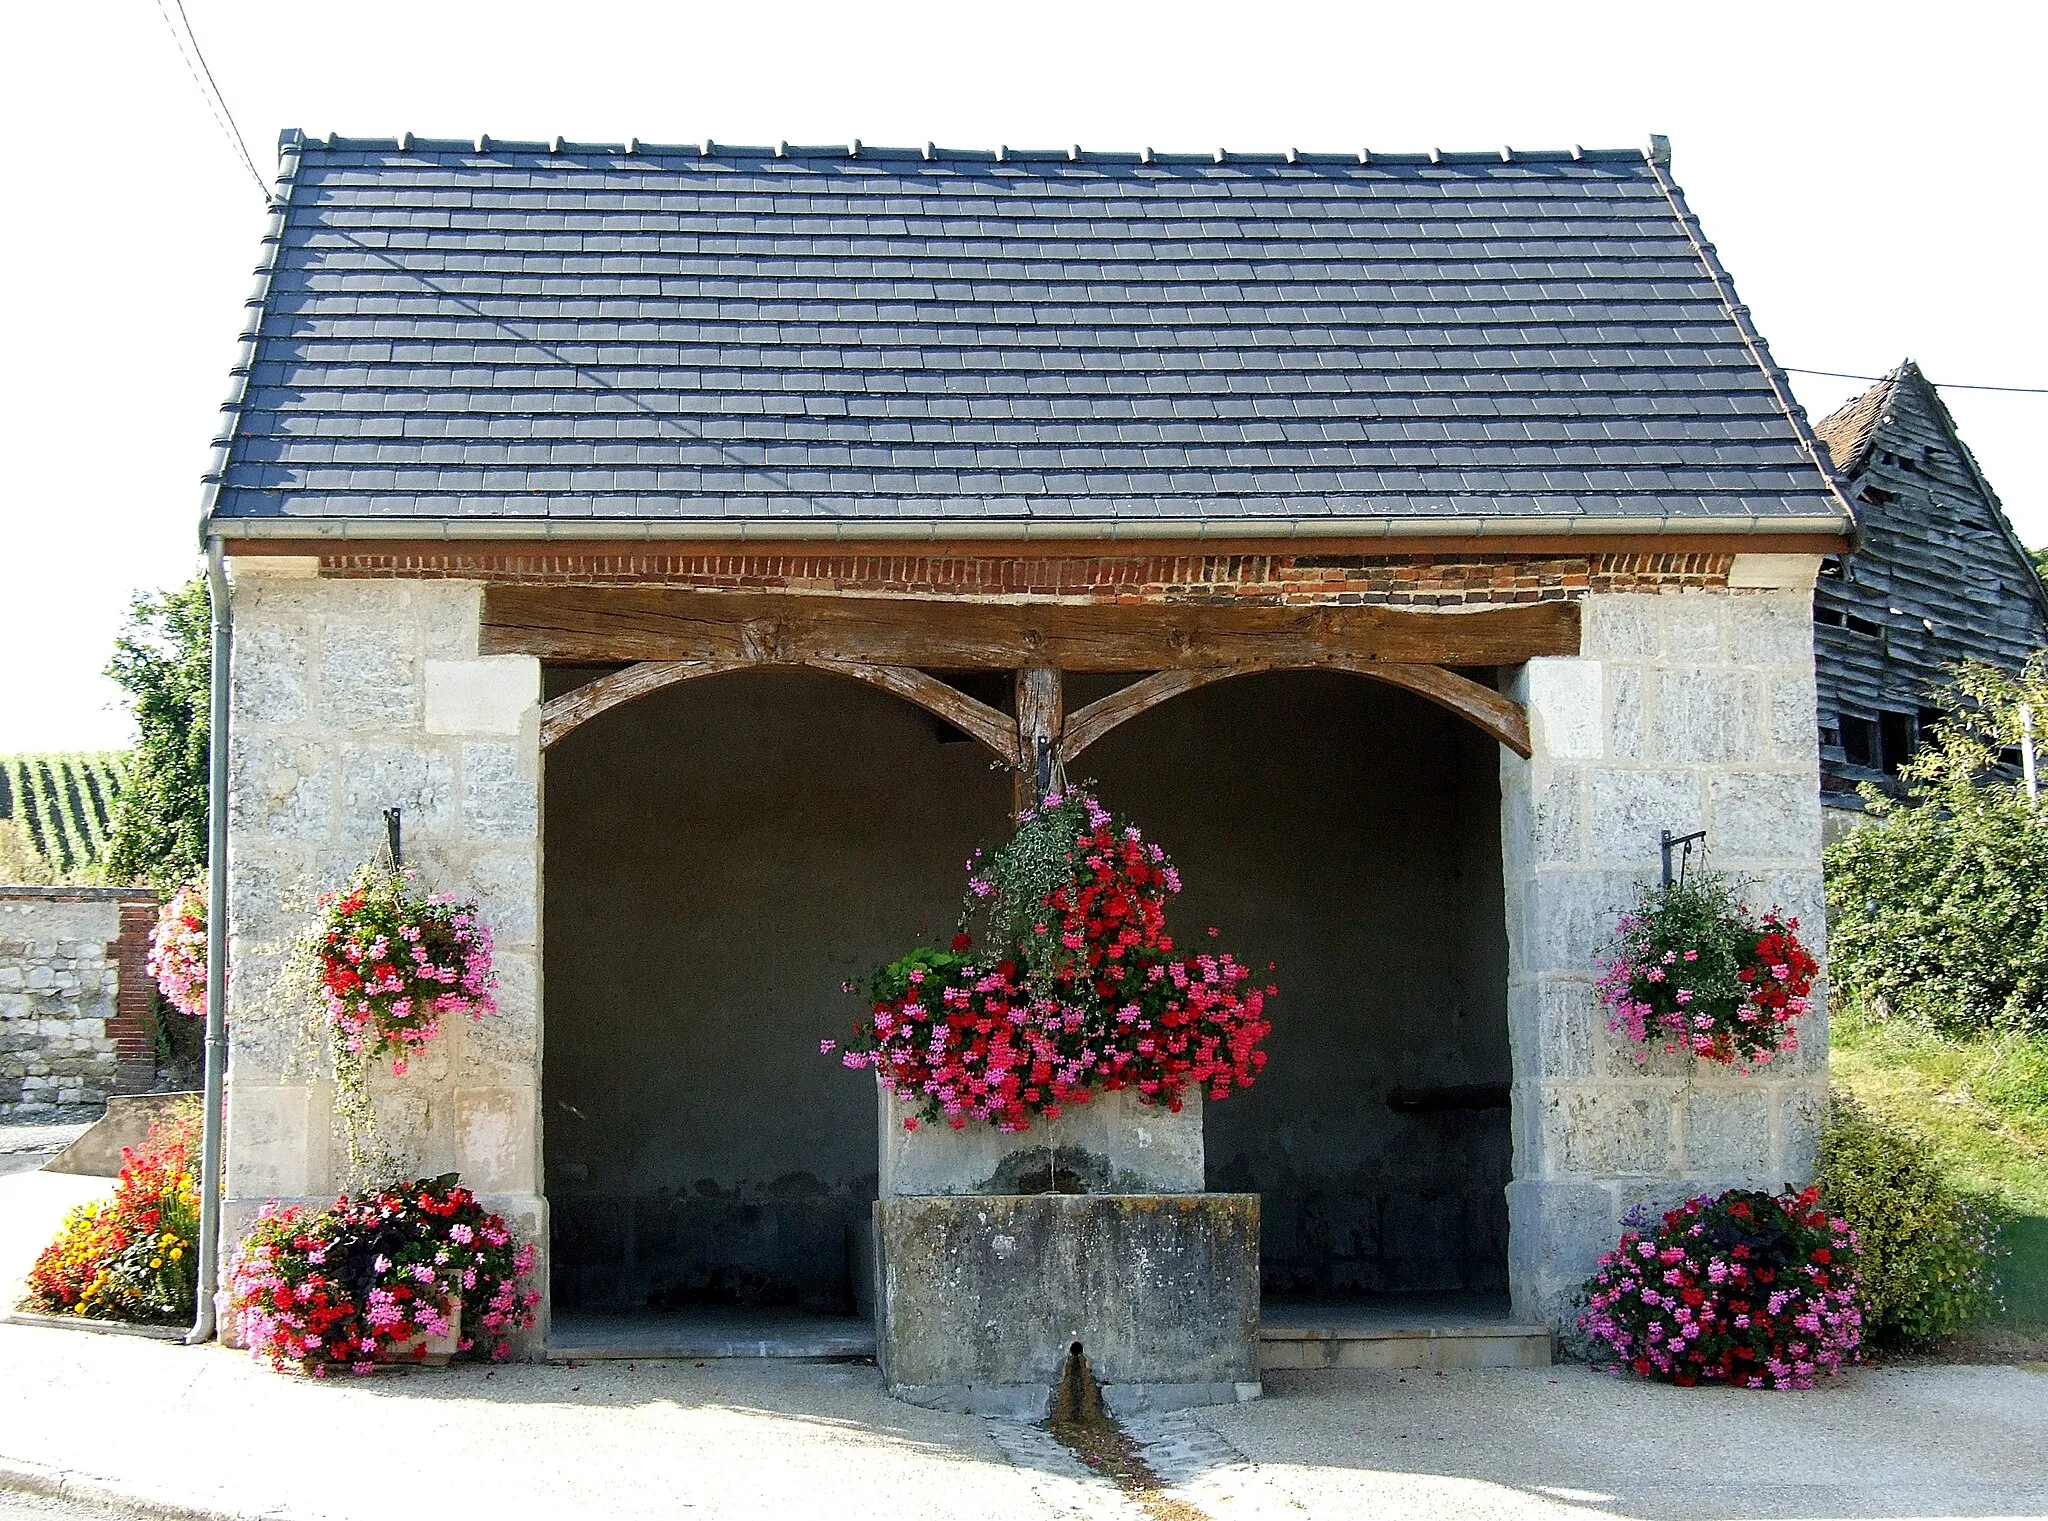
(996, 1256)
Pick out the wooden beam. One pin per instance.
(1504, 720)
(1100, 716)
(992, 727)
(638, 623)
(1041, 717)
(560, 715)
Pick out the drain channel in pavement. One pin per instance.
(1081, 1425)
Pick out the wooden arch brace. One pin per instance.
(1506, 721)
(1479, 705)
(992, 727)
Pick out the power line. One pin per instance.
(209, 90)
(1944, 385)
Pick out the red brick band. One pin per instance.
(1421, 579)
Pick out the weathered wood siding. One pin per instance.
(1939, 578)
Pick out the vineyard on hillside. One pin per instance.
(62, 804)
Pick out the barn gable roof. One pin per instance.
(535, 338)
(1894, 416)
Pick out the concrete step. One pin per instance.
(1291, 1336)
(1394, 1336)
(708, 1333)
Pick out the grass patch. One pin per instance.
(1982, 1105)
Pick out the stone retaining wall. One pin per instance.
(76, 1007)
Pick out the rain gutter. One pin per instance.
(1015, 529)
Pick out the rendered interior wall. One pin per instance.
(721, 856)
(727, 853)
(1349, 832)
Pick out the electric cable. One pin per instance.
(1939, 385)
(210, 91)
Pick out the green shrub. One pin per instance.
(1938, 911)
(1929, 1248)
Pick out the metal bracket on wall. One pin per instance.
(1683, 844)
(391, 838)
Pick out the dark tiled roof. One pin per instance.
(861, 340)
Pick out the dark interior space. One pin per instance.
(723, 854)
(721, 857)
(1349, 832)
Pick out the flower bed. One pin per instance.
(378, 1275)
(393, 961)
(1743, 1289)
(1693, 969)
(132, 1257)
(1082, 987)
(177, 951)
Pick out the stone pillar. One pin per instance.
(351, 697)
(1684, 710)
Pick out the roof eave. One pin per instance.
(939, 530)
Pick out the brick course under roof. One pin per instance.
(582, 339)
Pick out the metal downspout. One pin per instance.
(216, 949)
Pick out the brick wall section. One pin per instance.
(1422, 580)
(75, 997)
(133, 1027)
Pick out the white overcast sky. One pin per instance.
(1874, 175)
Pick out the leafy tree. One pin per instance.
(2041, 563)
(1938, 912)
(163, 661)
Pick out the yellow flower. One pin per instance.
(167, 1239)
(156, 1262)
(177, 1252)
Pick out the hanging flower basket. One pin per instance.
(1694, 971)
(1079, 989)
(393, 962)
(177, 951)
(381, 1276)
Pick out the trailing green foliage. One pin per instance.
(1929, 1248)
(163, 662)
(57, 812)
(1938, 911)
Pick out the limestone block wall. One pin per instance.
(351, 697)
(75, 1002)
(1684, 710)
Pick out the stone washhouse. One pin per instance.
(705, 548)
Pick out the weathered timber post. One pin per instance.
(1041, 715)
